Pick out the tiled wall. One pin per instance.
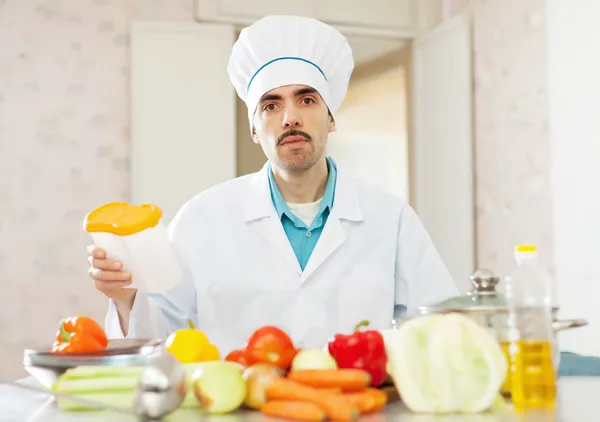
(512, 151)
(64, 146)
(64, 149)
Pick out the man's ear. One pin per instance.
(255, 136)
(332, 127)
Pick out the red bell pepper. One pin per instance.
(361, 350)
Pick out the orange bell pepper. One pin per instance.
(79, 335)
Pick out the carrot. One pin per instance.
(381, 399)
(346, 379)
(362, 400)
(334, 405)
(329, 390)
(299, 410)
(367, 401)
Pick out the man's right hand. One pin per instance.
(109, 277)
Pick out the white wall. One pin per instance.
(574, 131)
(512, 153)
(442, 144)
(371, 136)
(64, 150)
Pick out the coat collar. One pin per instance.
(259, 204)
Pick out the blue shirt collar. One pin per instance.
(326, 204)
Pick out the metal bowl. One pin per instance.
(46, 366)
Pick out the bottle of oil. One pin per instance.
(531, 348)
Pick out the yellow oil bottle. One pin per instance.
(531, 375)
(505, 389)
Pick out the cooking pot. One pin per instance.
(489, 307)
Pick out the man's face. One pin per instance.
(291, 123)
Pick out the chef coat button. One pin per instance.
(309, 234)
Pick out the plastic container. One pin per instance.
(136, 236)
(531, 347)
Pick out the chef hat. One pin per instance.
(290, 50)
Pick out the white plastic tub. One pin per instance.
(136, 236)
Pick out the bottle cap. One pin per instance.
(525, 248)
(525, 252)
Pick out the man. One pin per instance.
(299, 244)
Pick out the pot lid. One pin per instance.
(483, 297)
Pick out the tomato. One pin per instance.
(237, 356)
(270, 345)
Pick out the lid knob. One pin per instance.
(484, 282)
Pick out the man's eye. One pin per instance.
(308, 100)
(270, 107)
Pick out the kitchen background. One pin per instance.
(66, 143)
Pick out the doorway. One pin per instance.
(371, 141)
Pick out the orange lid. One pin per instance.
(122, 219)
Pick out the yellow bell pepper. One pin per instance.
(190, 345)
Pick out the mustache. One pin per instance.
(293, 132)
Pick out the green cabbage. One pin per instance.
(445, 364)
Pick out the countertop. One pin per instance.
(577, 399)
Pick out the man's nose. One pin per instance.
(291, 119)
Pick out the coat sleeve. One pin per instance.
(421, 277)
(158, 315)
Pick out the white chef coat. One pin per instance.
(241, 273)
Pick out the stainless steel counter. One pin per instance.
(578, 398)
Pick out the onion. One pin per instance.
(313, 359)
(258, 377)
(219, 387)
